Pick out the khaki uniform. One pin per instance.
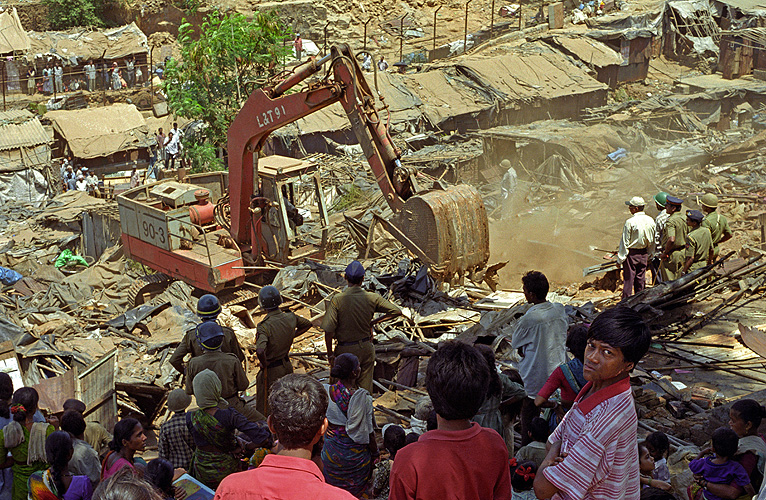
(349, 321)
(189, 344)
(675, 227)
(275, 336)
(698, 246)
(98, 437)
(718, 226)
(232, 375)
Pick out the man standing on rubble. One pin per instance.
(659, 229)
(349, 320)
(699, 243)
(208, 309)
(540, 338)
(714, 221)
(636, 244)
(273, 342)
(673, 240)
(224, 364)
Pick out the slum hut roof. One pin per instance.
(25, 156)
(635, 20)
(98, 132)
(20, 129)
(749, 8)
(81, 44)
(589, 51)
(13, 38)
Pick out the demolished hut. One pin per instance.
(26, 172)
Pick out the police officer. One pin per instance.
(208, 309)
(714, 221)
(348, 320)
(210, 337)
(699, 243)
(673, 240)
(273, 342)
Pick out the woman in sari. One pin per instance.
(56, 483)
(349, 444)
(212, 427)
(25, 439)
(129, 438)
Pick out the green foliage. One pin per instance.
(64, 14)
(352, 198)
(203, 83)
(190, 6)
(203, 158)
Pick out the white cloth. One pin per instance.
(135, 180)
(659, 228)
(90, 70)
(81, 185)
(756, 445)
(173, 146)
(637, 233)
(541, 335)
(761, 494)
(358, 421)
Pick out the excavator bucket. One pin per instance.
(449, 226)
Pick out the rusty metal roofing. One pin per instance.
(21, 129)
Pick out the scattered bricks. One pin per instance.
(677, 409)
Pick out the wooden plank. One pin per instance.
(55, 390)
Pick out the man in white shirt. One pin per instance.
(90, 73)
(659, 227)
(540, 338)
(636, 244)
(81, 184)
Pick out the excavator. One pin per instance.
(174, 228)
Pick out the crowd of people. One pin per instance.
(94, 75)
(81, 179)
(304, 439)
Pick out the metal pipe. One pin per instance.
(365, 33)
(435, 12)
(465, 32)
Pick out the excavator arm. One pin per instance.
(446, 226)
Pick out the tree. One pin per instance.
(64, 14)
(208, 81)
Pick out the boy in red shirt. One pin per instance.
(460, 459)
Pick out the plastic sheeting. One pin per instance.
(27, 185)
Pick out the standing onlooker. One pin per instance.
(129, 438)
(25, 440)
(349, 448)
(460, 459)
(382, 64)
(177, 132)
(272, 346)
(714, 221)
(673, 240)
(31, 84)
(539, 337)
(172, 148)
(175, 443)
(593, 451)
(90, 73)
(159, 152)
(59, 75)
(659, 230)
(298, 406)
(394, 439)
(130, 71)
(48, 79)
(298, 46)
(636, 244)
(56, 481)
(699, 243)
(96, 434)
(84, 461)
(116, 77)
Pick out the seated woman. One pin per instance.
(25, 439)
(349, 444)
(56, 482)
(128, 438)
(501, 390)
(212, 427)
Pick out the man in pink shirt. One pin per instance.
(298, 406)
(593, 453)
(460, 459)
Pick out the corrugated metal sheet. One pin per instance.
(21, 129)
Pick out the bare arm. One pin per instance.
(687, 265)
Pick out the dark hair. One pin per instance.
(495, 386)
(623, 328)
(518, 481)
(394, 439)
(577, 340)
(159, 473)
(659, 442)
(750, 411)
(122, 432)
(539, 429)
(73, 422)
(536, 283)
(58, 449)
(125, 486)
(457, 378)
(431, 422)
(344, 365)
(28, 398)
(298, 406)
(74, 404)
(410, 438)
(6, 393)
(725, 442)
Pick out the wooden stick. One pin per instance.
(404, 387)
(385, 389)
(393, 413)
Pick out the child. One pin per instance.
(394, 439)
(535, 451)
(175, 443)
(646, 468)
(719, 471)
(658, 445)
(522, 478)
